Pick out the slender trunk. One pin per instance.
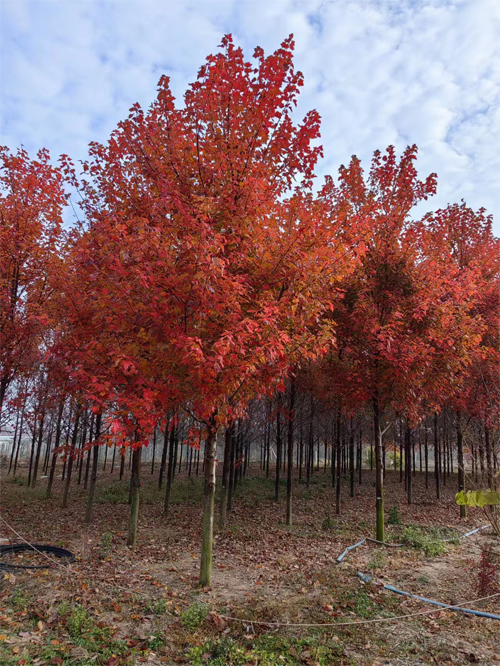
(351, 456)
(269, 410)
(89, 453)
(171, 465)
(208, 505)
(38, 450)
(339, 463)
(95, 461)
(408, 462)
(122, 462)
(19, 442)
(14, 441)
(420, 449)
(154, 452)
(334, 457)
(310, 444)
(56, 449)
(225, 477)
(68, 430)
(401, 455)
(379, 475)
(489, 458)
(278, 455)
(461, 469)
(82, 446)
(135, 488)
(291, 415)
(33, 443)
(163, 462)
(190, 461)
(436, 457)
(426, 456)
(180, 457)
(481, 456)
(71, 459)
(231, 471)
(360, 454)
(4, 383)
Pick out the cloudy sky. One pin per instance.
(379, 72)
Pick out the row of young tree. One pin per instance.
(206, 282)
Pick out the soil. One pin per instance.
(263, 571)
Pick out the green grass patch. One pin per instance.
(195, 615)
(268, 650)
(427, 542)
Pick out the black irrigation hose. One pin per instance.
(21, 547)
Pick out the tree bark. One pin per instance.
(278, 455)
(291, 414)
(408, 470)
(56, 452)
(71, 459)
(436, 457)
(171, 466)
(208, 505)
(351, 456)
(93, 476)
(225, 477)
(339, 462)
(135, 487)
(461, 468)
(379, 472)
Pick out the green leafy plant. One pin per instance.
(414, 537)
(157, 607)
(328, 523)
(268, 650)
(394, 516)
(195, 615)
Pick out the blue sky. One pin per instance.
(379, 72)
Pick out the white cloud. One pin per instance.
(378, 71)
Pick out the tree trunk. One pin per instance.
(154, 451)
(208, 505)
(408, 469)
(19, 441)
(81, 447)
(225, 477)
(171, 465)
(339, 463)
(461, 468)
(278, 455)
(56, 452)
(33, 442)
(95, 461)
(14, 442)
(71, 459)
(291, 408)
(38, 450)
(379, 473)
(426, 456)
(489, 459)
(351, 456)
(135, 487)
(436, 457)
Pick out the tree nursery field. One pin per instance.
(223, 375)
(115, 605)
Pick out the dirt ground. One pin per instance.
(115, 606)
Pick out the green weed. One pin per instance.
(268, 650)
(394, 516)
(195, 615)
(414, 537)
